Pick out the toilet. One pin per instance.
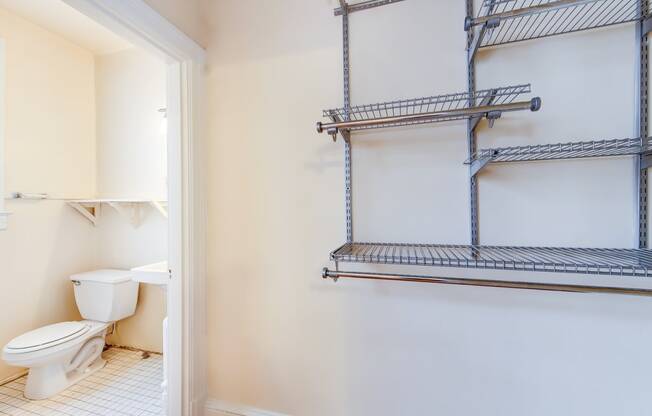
(64, 353)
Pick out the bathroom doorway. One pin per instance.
(140, 26)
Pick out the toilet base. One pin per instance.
(47, 381)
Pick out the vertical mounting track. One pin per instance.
(642, 123)
(347, 105)
(470, 131)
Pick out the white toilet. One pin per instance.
(60, 355)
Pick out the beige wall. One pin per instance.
(131, 162)
(50, 147)
(284, 340)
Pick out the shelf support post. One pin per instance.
(470, 130)
(347, 106)
(642, 30)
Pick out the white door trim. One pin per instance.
(3, 123)
(143, 26)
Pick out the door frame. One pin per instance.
(144, 27)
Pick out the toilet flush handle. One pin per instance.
(76, 282)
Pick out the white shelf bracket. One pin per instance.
(132, 211)
(161, 207)
(90, 211)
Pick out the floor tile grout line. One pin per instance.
(92, 396)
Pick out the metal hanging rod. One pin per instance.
(335, 274)
(28, 196)
(364, 5)
(489, 103)
(533, 105)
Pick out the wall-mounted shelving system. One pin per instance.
(501, 22)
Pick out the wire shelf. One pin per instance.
(519, 20)
(556, 151)
(601, 261)
(424, 110)
(364, 5)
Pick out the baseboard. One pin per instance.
(220, 408)
(12, 378)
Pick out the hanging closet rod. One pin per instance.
(534, 104)
(334, 274)
(539, 8)
(28, 196)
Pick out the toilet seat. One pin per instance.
(46, 337)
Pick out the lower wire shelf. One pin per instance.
(599, 261)
(596, 261)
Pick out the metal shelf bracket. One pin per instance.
(486, 101)
(647, 26)
(479, 164)
(646, 161)
(479, 34)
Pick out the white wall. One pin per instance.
(50, 147)
(131, 163)
(282, 339)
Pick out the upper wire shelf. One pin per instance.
(507, 21)
(601, 261)
(489, 103)
(556, 151)
(363, 5)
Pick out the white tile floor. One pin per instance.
(127, 386)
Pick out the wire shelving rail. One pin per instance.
(601, 261)
(558, 151)
(489, 103)
(364, 5)
(508, 21)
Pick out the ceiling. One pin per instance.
(59, 18)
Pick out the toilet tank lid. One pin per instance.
(104, 276)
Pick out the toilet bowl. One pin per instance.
(61, 354)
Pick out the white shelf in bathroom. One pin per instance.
(155, 274)
(132, 209)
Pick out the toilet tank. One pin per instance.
(105, 295)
